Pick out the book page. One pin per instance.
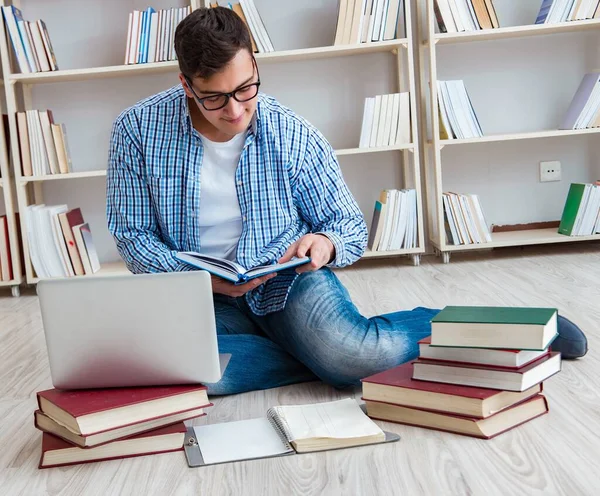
(335, 419)
(241, 440)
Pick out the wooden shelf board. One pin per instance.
(521, 238)
(551, 133)
(12, 282)
(516, 32)
(106, 269)
(357, 151)
(58, 177)
(391, 253)
(172, 66)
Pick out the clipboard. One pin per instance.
(257, 446)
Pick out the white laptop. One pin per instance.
(130, 330)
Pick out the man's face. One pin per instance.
(234, 117)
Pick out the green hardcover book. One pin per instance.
(515, 328)
(572, 204)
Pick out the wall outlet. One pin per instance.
(550, 171)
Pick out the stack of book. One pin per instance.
(150, 35)
(455, 16)
(60, 242)
(394, 225)
(480, 373)
(30, 41)
(246, 9)
(365, 21)
(581, 213)
(386, 121)
(584, 110)
(43, 145)
(464, 220)
(6, 272)
(457, 115)
(555, 11)
(83, 426)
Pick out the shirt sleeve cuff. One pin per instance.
(338, 245)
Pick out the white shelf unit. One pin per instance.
(30, 189)
(434, 145)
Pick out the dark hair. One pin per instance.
(208, 39)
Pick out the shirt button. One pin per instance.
(244, 217)
(239, 183)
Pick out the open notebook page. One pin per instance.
(334, 419)
(241, 440)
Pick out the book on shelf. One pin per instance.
(520, 328)
(43, 144)
(464, 219)
(584, 109)
(30, 41)
(57, 452)
(454, 16)
(247, 11)
(394, 225)
(386, 121)
(6, 271)
(459, 119)
(90, 417)
(232, 271)
(60, 242)
(151, 34)
(581, 213)
(285, 430)
(397, 386)
(486, 428)
(366, 21)
(556, 11)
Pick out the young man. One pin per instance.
(213, 165)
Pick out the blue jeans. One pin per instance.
(319, 335)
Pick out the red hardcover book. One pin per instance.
(57, 452)
(512, 359)
(91, 411)
(397, 386)
(486, 376)
(47, 424)
(5, 255)
(482, 428)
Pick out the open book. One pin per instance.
(286, 430)
(232, 271)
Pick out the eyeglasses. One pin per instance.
(220, 100)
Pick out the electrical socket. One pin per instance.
(550, 171)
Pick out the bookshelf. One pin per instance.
(436, 171)
(20, 88)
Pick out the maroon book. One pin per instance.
(57, 453)
(483, 356)
(82, 408)
(481, 428)
(398, 387)
(489, 376)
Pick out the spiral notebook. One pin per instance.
(286, 430)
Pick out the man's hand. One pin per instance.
(227, 288)
(317, 246)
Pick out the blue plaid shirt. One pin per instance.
(288, 184)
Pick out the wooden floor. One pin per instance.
(554, 454)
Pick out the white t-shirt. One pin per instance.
(220, 216)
